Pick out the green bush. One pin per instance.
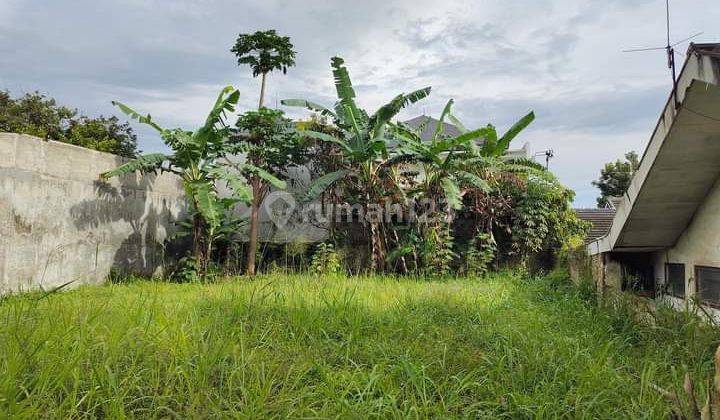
(480, 253)
(325, 260)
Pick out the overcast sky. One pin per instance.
(498, 59)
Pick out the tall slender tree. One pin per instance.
(264, 52)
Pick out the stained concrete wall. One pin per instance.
(699, 244)
(59, 223)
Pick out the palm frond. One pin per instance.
(399, 252)
(345, 91)
(316, 135)
(400, 159)
(386, 112)
(452, 192)
(472, 179)
(144, 119)
(504, 143)
(234, 181)
(312, 106)
(441, 126)
(265, 175)
(205, 201)
(145, 163)
(323, 183)
(525, 162)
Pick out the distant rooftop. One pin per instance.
(600, 220)
(431, 125)
(450, 130)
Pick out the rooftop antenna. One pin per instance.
(670, 51)
(549, 154)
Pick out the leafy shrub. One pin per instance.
(38, 115)
(480, 253)
(325, 260)
(187, 270)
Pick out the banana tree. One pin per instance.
(448, 167)
(450, 163)
(195, 159)
(363, 141)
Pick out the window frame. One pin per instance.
(669, 289)
(698, 286)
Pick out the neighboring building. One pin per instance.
(600, 220)
(431, 125)
(665, 236)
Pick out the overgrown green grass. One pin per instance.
(300, 346)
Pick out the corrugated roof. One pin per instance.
(600, 219)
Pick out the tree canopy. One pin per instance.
(264, 51)
(38, 115)
(615, 178)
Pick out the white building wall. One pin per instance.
(699, 245)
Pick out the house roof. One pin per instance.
(430, 127)
(679, 165)
(450, 130)
(600, 220)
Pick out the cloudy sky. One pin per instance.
(498, 59)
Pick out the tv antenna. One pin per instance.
(670, 51)
(549, 154)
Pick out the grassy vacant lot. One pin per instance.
(301, 346)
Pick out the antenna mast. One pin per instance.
(671, 54)
(670, 50)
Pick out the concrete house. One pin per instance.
(665, 235)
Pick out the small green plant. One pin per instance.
(436, 250)
(295, 252)
(186, 270)
(480, 253)
(325, 260)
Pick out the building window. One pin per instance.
(708, 284)
(638, 278)
(675, 279)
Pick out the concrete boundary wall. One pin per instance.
(60, 223)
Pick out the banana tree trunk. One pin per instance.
(403, 263)
(197, 241)
(373, 246)
(255, 210)
(208, 251)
